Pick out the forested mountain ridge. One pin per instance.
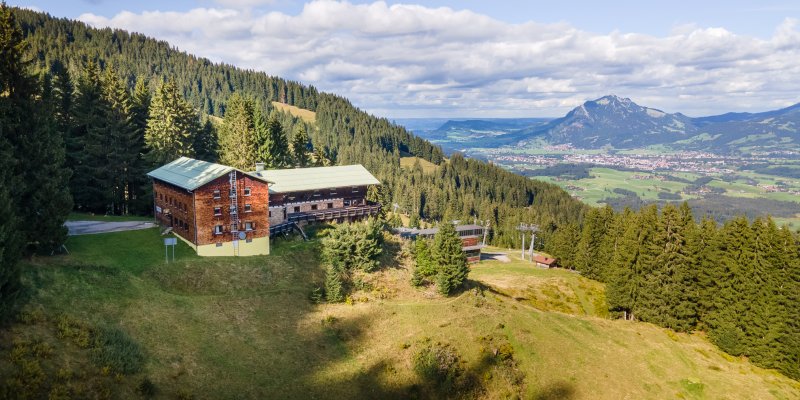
(461, 189)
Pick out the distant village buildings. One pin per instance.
(223, 211)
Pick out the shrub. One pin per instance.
(438, 364)
(334, 288)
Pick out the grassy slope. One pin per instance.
(305, 115)
(427, 166)
(243, 328)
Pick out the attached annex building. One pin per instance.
(472, 238)
(223, 211)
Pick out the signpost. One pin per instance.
(170, 242)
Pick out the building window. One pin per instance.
(233, 209)
(218, 229)
(316, 194)
(248, 226)
(355, 189)
(234, 228)
(248, 208)
(216, 194)
(270, 214)
(297, 209)
(330, 205)
(231, 193)
(219, 244)
(247, 191)
(313, 206)
(217, 211)
(249, 240)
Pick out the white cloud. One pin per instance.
(403, 60)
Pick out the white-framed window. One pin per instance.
(231, 193)
(249, 226)
(234, 227)
(219, 244)
(248, 208)
(249, 240)
(218, 229)
(313, 207)
(233, 209)
(216, 194)
(217, 211)
(247, 191)
(330, 205)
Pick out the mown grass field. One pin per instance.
(245, 328)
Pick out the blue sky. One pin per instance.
(489, 58)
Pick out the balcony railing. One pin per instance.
(335, 213)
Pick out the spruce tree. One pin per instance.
(423, 262)
(276, 147)
(140, 189)
(206, 143)
(300, 146)
(237, 144)
(122, 154)
(83, 150)
(39, 193)
(451, 263)
(171, 126)
(334, 288)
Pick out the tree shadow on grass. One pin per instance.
(556, 391)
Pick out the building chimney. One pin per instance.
(259, 166)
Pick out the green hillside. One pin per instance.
(245, 328)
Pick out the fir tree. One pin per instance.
(334, 289)
(39, 194)
(206, 143)
(237, 144)
(300, 147)
(423, 262)
(121, 142)
(84, 153)
(171, 126)
(276, 147)
(451, 263)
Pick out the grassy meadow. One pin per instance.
(306, 115)
(233, 328)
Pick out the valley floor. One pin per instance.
(245, 328)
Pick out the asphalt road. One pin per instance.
(91, 227)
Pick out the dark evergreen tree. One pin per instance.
(423, 262)
(206, 143)
(171, 126)
(122, 155)
(451, 263)
(300, 147)
(276, 148)
(237, 138)
(139, 187)
(39, 194)
(84, 154)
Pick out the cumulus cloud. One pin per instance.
(408, 60)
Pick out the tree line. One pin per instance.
(739, 282)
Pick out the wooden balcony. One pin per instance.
(335, 213)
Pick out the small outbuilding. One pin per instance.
(544, 261)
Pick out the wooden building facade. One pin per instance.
(304, 195)
(216, 209)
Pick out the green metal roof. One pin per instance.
(190, 174)
(299, 179)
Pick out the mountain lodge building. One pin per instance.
(223, 211)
